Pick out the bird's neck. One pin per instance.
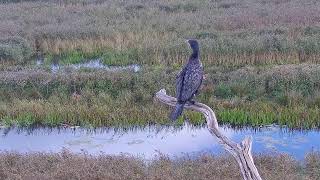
(195, 55)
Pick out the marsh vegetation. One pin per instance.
(260, 59)
(231, 33)
(286, 95)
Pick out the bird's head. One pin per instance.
(193, 44)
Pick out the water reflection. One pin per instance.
(149, 141)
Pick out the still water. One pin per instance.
(90, 64)
(150, 141)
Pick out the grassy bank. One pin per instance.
(81, 166)
(286, 95)
(232, 33)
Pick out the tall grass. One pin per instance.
(14, 49)
(231, 33)
(65, 165)
(262, 113)
(286, 95)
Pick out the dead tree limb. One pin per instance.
(241, 152)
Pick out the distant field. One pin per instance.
(231, 32)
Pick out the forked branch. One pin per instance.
(241, 152)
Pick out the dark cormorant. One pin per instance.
(188, 80)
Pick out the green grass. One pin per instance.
(106, 56)
(286, 95)
(127, 57)
(252, 114)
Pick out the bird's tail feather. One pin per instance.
(176, 112)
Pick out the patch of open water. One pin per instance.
(91, 64)
(150, 141)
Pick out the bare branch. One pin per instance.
(241, 152)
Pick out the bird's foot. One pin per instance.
(192, 101)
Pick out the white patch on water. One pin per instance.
(55, 68)
(95, 64)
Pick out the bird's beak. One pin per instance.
(187, 41)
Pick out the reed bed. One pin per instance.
(286, 95)
(231, 33)
(65, 165)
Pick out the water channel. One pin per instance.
(150, 141)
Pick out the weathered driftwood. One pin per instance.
(241, 152)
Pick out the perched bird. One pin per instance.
(188, 80)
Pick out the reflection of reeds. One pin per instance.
(231, 33)
(66, 165)
(286, 94)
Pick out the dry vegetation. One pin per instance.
(231, 32)
(82, 166)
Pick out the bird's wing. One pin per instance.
(191, 82)
(179, 83)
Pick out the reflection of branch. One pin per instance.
(241, 152)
